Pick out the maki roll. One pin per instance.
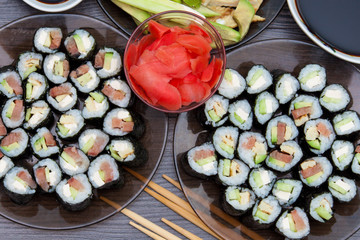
(104, 172)
(240, 114)
(215, 111)
(342, 188)
(47, 40)
(5, 165)
(232, 85)
(73, 161)
(293, 224)
(258, 79)
(3, 130)
(287, 191)
(334, 98)
(252, 148)
(312, 78)
(320, 207)
(43, 143)
(342, 153)
(28, 62)
(74, 193)
(96, 105)
(80, 45)
(47, 175)
(236, 201)
(107, 62)
(62, 97)
(286, 87)
(15, 143)
(201, 161)
(286, 158)
(93, 141)
(304, 108)
(118, 92)
(280, 129)
(225, 141)
(265, 107)
(355, 166)
(56, 67)
(37, 114)
(315, 171)
(232, 172)
(35, 87)
(10, 82)
(128, 151)
(261, 181)
(319, 135)
(13, 112)
(85, 78)
(70, 124)
(346, 123)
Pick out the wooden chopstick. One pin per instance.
(181, 230)
(172, 181)
(147, 232)
(139, 219)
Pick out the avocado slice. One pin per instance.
(11, 146)
(284, 187)
(277, 162)
(43, 143)
(114, 154)
(107, 60)
(342, 157)
(21, 181)
(259, 158)
(73, 192)
(228, 76)
(262, 215)
(7, 87)
(68, 159)
(47, 42)
(10, 110)
(257, 179)
(314, 177)
(274, 135)
(226, 148)
(234, 194)
(98, 97)
(59, 68)
(336, 187)
(29, 70)
(63, 129)
(138, 14)
(238, 118)
(323, 213)
(128, 119)
(331, 100)
(193, 3)
(298, 105)
(28, 114)
(29, 88)
(88, 145)
(262, 106)
(205, 161)
(243, 16)
(47, 174)
(229, 35)
(226, 167)
(102, 175)
(309, 76)
(343, 122)
(357, 155)
(37, 145)
(213, 115)
(79, 43)
(291, 222)
(314, 144)
(255, 77)
(84, 79)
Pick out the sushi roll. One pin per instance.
(286, 87)
(19, 185)
(73, 161)
(128, 151)
(319, 135)
(342, 188)
(232, 172)
(225, 141)
(232, 85)
(13, 112)
(342, 153)
(201, 161)
(118, 92)
(80, 45)
(37, 115)
(85, 78)
(303, 108)
(93, 141)
(107, 62)
(3, 130)
(15, 143)
(70, 124)
(62, 97)
(104, 172)
(215, 111)
(265, 107)
(293, 224)
(315, 171)
(10, 82)
(96, 106)
(74, 193)
(312, 78)
(279, 130)
(47, 175)
(346, 123)
(286, 157)
(320, 207)
(252, 149)
(355, 165)
(287, 191)
(334, 98)
(5, 165)
(237, 201)
(28, 62)
(261, 181)
(43, 143)
(56, 67)
(47, 40)
(258, 79)
(35, 87)
(240, 114)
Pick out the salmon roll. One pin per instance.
(225, 141)
(346, 123)
(73, 161)
(241, 115)
(303, 108)
(252, 148)
(293, 224)
(258, 79)
(85, 78)
(118, 92)
(285, 158)
(35, 87)
(43, 143)
(232, 172)
(70, 124)
(342, 153)
(261, 181)
(108, 63)
(10, 82)
(47, 175)
(355, 165)
(215, 111)
(315, 171)
(80, 45)
(15, 143)
(56, 67)
(233, 84)
(93, 141)
(312, 78)
(319, 135)
(13, 112)
(265, 107)
(286, 86)
(279, 130)
(320, 207)
(47, 40)
(96, 106)
(334, 98)
(5, 164)
(38, 114)
(342, 188)
(63, 97)
(236, 201)
(28, 62)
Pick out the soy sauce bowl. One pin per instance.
(52, 5)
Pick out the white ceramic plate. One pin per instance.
(46, 7)
(296, 15)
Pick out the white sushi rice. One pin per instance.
(5, 165)
(98, 112)
(118, 113)
(15, 186)
(315, 203)
(22, 144)
(273, 202)
(124, 145)
(326, 167)
(286, 88)
(325, 142)
(79, 168)
(282, 225)
(273, 123)
(238, 179)
(93, 134)
(348, 128)
(3, 76)
(40, 38)
(235, 203)
(220, 134)
(94, 168)
(115, 65)
(87, 40)
(49, 64)
(208, 169)
(92, 84)
(248, 155)
(67, 103)
(7, 121)
(232, 85)
(268, 179)
(317, 82)
(54, 172)
(74, 128)
(286, 198)
(43, 153)
(298, 154)
(63, 190)
(347, 184)
(242, 109)
(338, 150)
(22, 65)
(271, 103)
(118, 84)
(338, 95)
(262, 83)
(38, 118)
(209, 105)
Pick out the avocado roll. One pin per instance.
(85, 78)
(19, 185)
(35, 87)
(342, 188)
(13, 112)
(252, 148)
(240, 114)
(93, 141)
(47, 175)
(118, 92)
(10, 85)
(74, 193)
(342, 153)
(62, 97)
(108, 63)
(73, 161)
(28, 62)
(232, 172)
(346, 123)
(303, 108)
(315, 171)
(312, 78)
(279, 130)
(237, 201)
(96, 106)
(43, 143)
(56, 67)
(320, 207)
(286, 87)
(37, 115)
(5, 164)
(334, 98)
(47, 40)
(293, 224)
(15, 143)
(232, 85)
(225, 141)
(80, 45)
(3, 130)
(265, 107)
(286, 157)
(355, 166)
(287, 191)
(258, 79)
(215, 111)
(319, 135)
(70, 124)
(261, 181)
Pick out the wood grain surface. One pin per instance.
(117, 227)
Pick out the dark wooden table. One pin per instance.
(117, 227)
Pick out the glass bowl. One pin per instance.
(180, 19)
